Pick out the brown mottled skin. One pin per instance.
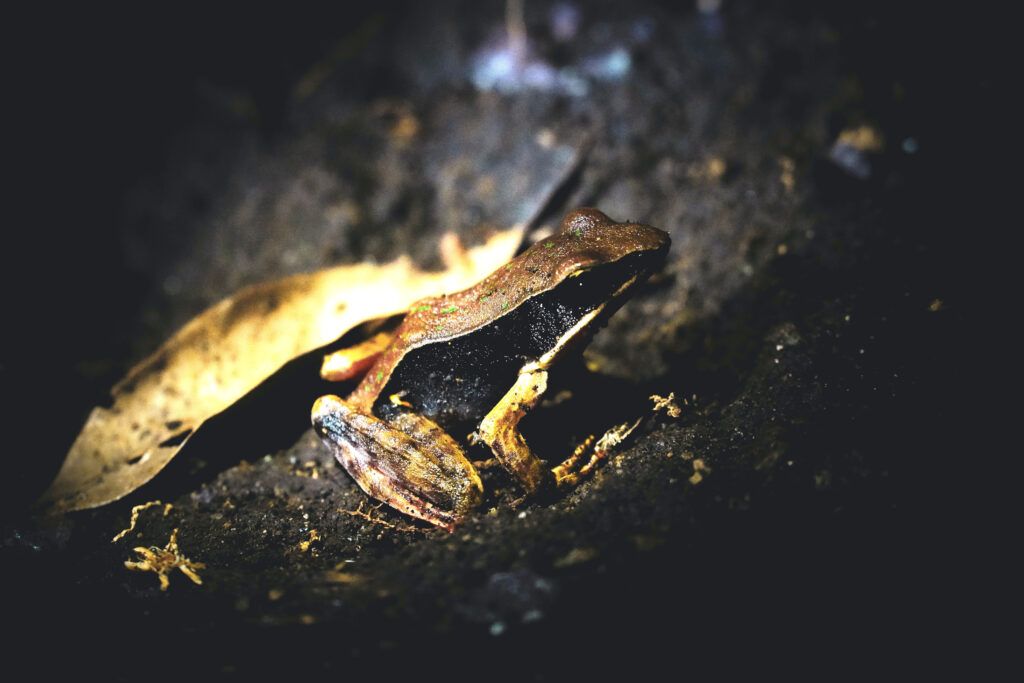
(396, 450)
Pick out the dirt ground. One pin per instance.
(805, 322)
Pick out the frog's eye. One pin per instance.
(582, 222)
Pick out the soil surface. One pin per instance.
(804, 321)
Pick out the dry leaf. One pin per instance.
(228, 350)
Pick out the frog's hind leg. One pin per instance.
(410, 463)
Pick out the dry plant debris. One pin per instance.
(135, 517)
(700, 468)
(668, 404)
(165, 560)
(359, 512)
(314, 536)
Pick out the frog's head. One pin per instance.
(592, 260)
(590, 239)
(590, 256)
(556, 293)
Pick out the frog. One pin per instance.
(480, 359)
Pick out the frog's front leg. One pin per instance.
(411, 464)
(500, 430)
(354, 361)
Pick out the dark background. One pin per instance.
(137, 136)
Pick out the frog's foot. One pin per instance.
(421, 471)
(577, 466)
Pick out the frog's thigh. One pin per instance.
(423, 473)
(500, 430)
